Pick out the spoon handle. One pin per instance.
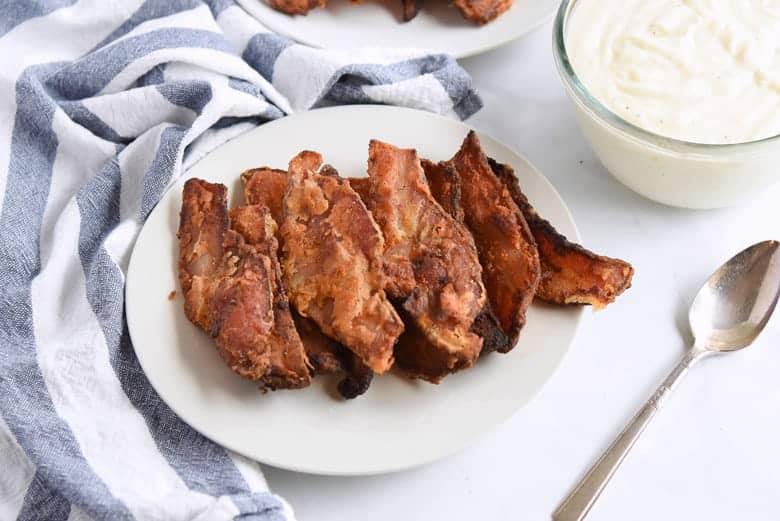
(579, 502)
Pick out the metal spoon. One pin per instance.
(728, 313)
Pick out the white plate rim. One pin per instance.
(577, 314)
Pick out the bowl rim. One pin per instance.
(575, 85)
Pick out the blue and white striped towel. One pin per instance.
(103, 104)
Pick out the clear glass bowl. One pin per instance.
(670, 171)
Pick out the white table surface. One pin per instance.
(714, 451)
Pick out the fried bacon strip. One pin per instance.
(570, 273)
(507, 251)
(266, 186)
(444, 185)
(432, 265)
(232, 287)
(333, 263)
(482, 11)
(296, 6)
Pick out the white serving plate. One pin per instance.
(399, 423)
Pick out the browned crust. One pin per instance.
(454, 224)
(296, 6)
(288, 360)
(267, 186)
(444, 182)
(417, 360)
(488, 328)
(431, 262)
(571, 274)
(362, 187)
(333, 263)
(357, 378)
(445, 188)
(329, 357)
(482, 11)
(507, 250)
(232, 288)
(203, 222)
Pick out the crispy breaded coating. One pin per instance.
(232, 287)
(444, 182)
(362, 187)
(507, 250)
(431, 262)
(202, 228)
(266, 186)
(332, 263)
(257, 227)
(570, 273)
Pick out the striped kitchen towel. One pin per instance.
(104, 103)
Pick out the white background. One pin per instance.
(714, 451)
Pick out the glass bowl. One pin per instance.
(670, 171)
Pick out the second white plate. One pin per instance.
(398, 423)
(438, 27)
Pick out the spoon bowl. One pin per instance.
(735, 303)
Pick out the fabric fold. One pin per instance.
(97, 123)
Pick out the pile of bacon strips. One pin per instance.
(425, 266)
(477, 11)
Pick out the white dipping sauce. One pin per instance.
(704, 71)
